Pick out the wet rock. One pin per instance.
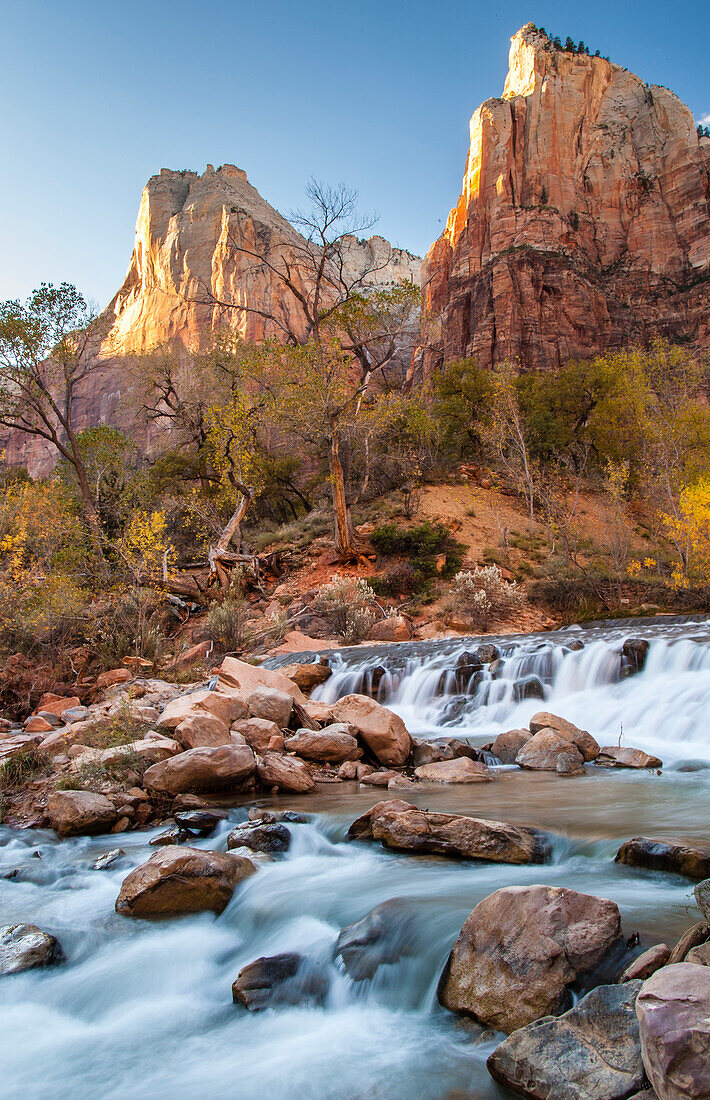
(401, 826)
(592, 1052)
(174, 835)
(529, 688)
(673, 1010)
(287, 979)
(107, 859)
(467, 673)
(696, 935)
(306, 677)
(542, 752)
(268, 817)
(582, 741)
(26, 947)
(182, 880)
(507, 745)
(616, 756)
(461, 770)
(702, 898)
(225, 767)
(260, 838)
(387, 933)
(203, 822)
(80, 813)
(272, 705)
(442, 748)
(486, 653)
(647, 963)
(665, 855)
(378, 778)
(633, 656)
(569, 763)
(383, 732)
(285, 773)
(331, 745)
(520, 951)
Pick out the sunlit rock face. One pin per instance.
(583, 221)
(188, 255)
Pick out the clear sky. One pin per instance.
(99, 95)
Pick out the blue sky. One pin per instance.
(97, 96)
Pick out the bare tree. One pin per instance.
(46, 350)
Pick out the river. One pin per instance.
(142, 1008)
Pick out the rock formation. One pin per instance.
(583, 222)
(187, 258)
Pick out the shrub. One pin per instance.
(120, 728)
(347, 603)
(421, 546)
(480, 593)
(226, 624)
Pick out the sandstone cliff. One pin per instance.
(184, 259)
(583, 222)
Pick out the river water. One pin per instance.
(145, 1009)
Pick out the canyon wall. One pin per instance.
(583, 222)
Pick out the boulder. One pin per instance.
(569, 763)
(461, 770)
(174, 835)
(113, 676)
(583, 741)
(633, 656)
(383, 732)
(57, 704)
(529, 688)
(306, 677)
(702, 898)
(202, 730)
(260, 837)
(269, 817)
(271, 704)
(331, 745)
(693, 937)
(442, 748)
(542, 751)
(673, 1010)
(592, 1052)
(395, 628)
(520, 951)
(616, 756)
(225, 767)
(286, 979)
(507, 745)
(229, 707)
(237, 676)
(182, 880)
(285, 773)
(672, 856)
(386, 934)
(260, 734)
(378, 778)
(646, 964)
(201, 822)
(10, 747)
(403, 827)
(80, 813)
(38, 724)
(699, 955)
(150, 751)
(26, 947)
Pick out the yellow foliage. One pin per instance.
(145, 544)
(690, 530)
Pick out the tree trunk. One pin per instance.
(92, 515)
(344, 539)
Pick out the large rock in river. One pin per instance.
(384, 732)
(673, 856)
(285, 773)
(332, 745)
(223, 767)
(543, 751)
(80, 813)
(507, 745)
(182, 880)
(287, 979)
(386, 934)
(592, 1052)
(521, 949)
(673, 1010)
(460, 770)
(583, 741)
(25, 947)
(406, 828)
(623, 756)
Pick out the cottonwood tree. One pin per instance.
(45, 354)
(505, 438)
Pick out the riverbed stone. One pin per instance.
(693, 937)
(182, 880)
(672, 856)
(222, 767)
(442, 748)
(260, 837)
(107, 859)
(542, 751)
(520, 951)
(80, 813)
(507, 745)
(673, 1010)
(647, 963)
(592, 1052)
(383, 732)
(460, 770)
(26, 947)
(583, 741)
(288, 979)
(403, 827)
(286, 773)
(333, 744)
(383, 936)
(618, 756)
